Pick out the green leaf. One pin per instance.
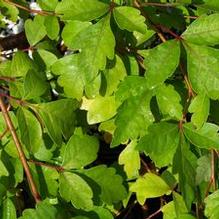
(43, 210)
(80, 151)
(212, 203)
(73, 188)
(8, 209)
(96, 43)
(185, 160)
(103, 213)
(99, 109)
(131, 86)
(83, 10)
(35, 84)
(160, 63)
(130, 154)
(110, 183)
(204, 30)
(129, 18)
(51, 24)
(113, 75)
(200, 107)
(203, 62)
(48, 58)
(71, 29)
(30, 129)
(203, 171)
(149, 186)
(46, 181)
(176, 209)
(35, 30)
(210, 4)
(205, 137)
(48, 5)
(168, 211)
(20, 64)
(70, 73)
(58, 118)
(133, 118)
(3, 170)
(168, 101)
(141, 38)
(160, 143)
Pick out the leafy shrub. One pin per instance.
(109, 105)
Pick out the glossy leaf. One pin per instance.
(133, 118)
(131, 86)
(48, 5)
(113, 75)
(8, 209)
(204, 30)
(212, 201)
(35, 30)
(83, 10)
(71, 78)
(130, 154)
(169, 101)
(43, 210)
(162, 148)
(205, 137)
(149, 186)
(203, 171)
(200, 107)
(35, 84)
(58, 118)
(96, 43)
(129, 18)
(160, 63)
(30, 129)
(80, 151)
(20, 65)
(52, 27)
(110, 183)
(203, 62)
(73, 188)
(99, 109)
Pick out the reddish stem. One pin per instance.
(39, 163)
(21, 154)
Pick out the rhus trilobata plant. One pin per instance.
(109, 109)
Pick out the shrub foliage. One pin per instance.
(107, 106)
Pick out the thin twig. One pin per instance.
(18, 101)
(138, 5)
(55, 167)
(40, 12)
(188, 85)
(145, 165)
(191, 17)
(212, 180)
(22, 157)
(154, 214)
(5, 78)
